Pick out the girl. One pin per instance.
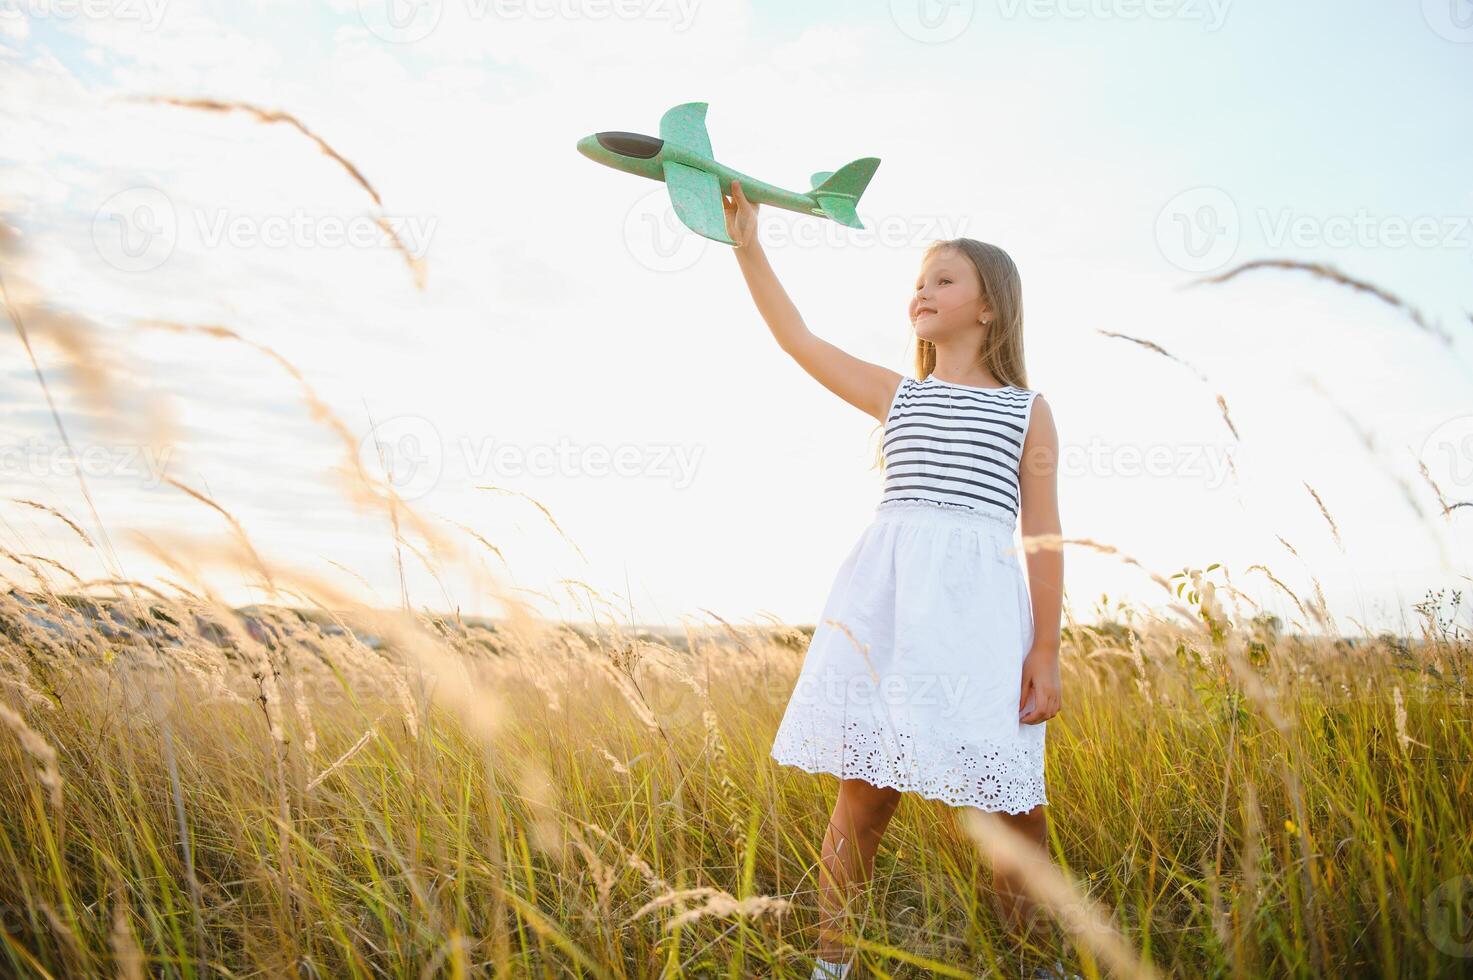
(925, 673)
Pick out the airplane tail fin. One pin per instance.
(838, 191)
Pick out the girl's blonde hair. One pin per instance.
(1002, 287)
(1002, 352)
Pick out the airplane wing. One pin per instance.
(685, 125)
(696, 195)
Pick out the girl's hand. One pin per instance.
(741, 216)
(1040, 685)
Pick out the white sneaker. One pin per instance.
(1055, 971)
(830, 971)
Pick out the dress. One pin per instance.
(912, 676)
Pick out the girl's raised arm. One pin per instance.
(867, 386)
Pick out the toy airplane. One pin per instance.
(681, 157)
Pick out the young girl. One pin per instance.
(925, 673)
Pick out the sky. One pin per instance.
(572, 346)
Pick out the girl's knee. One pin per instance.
(868, 797)
(863, 811)
(1032, 823)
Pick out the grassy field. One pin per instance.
(190, 790)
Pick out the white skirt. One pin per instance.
(912, 677)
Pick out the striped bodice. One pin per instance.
(956, 445)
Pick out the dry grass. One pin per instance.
(417, 266)
(190, 789)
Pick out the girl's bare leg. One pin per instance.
(1022, 915)
(861, 814)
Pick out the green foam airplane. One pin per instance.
(681, 157)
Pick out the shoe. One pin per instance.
(830, 971)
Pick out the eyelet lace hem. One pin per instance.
(988, 775)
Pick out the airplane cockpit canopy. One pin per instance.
(630, 144)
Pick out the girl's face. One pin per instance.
(948, 297)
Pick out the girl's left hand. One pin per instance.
(1041, 685)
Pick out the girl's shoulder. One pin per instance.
(1032, 397)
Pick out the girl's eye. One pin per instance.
(946, 280)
